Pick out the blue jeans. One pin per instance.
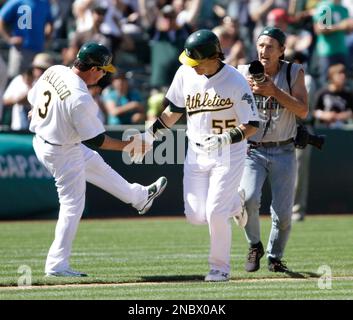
(279, 165)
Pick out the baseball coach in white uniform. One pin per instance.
(64, 114)
(221, 114)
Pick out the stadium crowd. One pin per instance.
(147, 36)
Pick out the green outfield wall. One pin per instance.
(27, 189)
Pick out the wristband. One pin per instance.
(157, 126)
(236, 134)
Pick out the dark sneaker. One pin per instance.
(276, 265)
(154, 190)
(255, 253)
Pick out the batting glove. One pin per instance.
(216, 141)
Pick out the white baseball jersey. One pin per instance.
(63, 110)
(211, 181)
(215, 104)
(64, 114)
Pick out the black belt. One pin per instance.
(271, 144)
(45, 141)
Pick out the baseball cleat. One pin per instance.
(276, 265)
(255, 253)
(241, 218)
(66, 273)
(216, 275)
(154, 190)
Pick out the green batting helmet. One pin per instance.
(96, 55)
(200, 45)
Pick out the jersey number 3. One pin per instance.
(43, 110)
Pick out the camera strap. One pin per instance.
(268, 122)
(289, 67)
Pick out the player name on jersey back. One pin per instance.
(55, 80)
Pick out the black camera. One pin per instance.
(257, 71)
(304, 138)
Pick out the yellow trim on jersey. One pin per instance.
(184, 59)
(206, 110)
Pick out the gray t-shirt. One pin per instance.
(276, 122)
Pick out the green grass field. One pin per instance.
(166, 258)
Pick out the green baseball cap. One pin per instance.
(96, 55)
(274, 33)
(200, 45)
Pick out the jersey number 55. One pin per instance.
(218, 126)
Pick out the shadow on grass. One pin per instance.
(302, 274)
(173, 278)
(192, 278)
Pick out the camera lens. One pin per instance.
(257, 71)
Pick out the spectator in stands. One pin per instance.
(24, 25)
(149, 11)
(233, 47)
(82, 12)
(302, 11)
(186, 11)
(258, 10)
(334, 103)
(127, 15)
(239, 10)
(210, 14)
(297, 40)
(332, 23)
(122, 103)
(15, 95)
(62, 17)
(94, 34)
(3, 82)
(167, 41)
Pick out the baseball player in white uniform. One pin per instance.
(221, 114)
(64, 114)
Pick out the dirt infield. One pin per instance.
(155, 283)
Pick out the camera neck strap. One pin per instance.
(288, 75)
(268, 122)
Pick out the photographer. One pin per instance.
(271, 152)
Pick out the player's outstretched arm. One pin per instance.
(164, 122)
(103, 141)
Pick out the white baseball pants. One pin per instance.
(210, 197)
(71, 166)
